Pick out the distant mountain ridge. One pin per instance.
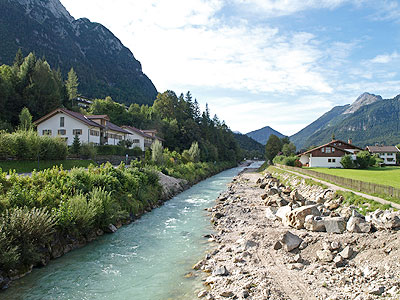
(262, 135)
(105, 67)
(247, 143)
(369, 120)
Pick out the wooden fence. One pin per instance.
(362, 186)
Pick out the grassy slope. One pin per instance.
(29, 166)
(386, 175)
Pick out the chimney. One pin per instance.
(349, 141)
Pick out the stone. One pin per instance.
(335, 245)
(334, 224)
(287, 190)
(263, 185)
(272, 191)
(296, 217)
(290, 241)
(358, 225)
(227, 294)
(277, 245)
(99, 232)
(111, 228)
(347, 252)
(282, 211)
(295, 196)
(264, 196)
(218, 215)
(314, 223)
(270, 213)
(198, 265)
(376, 290)
(324, 255)
(339, 261)
(221, 271)
(281, 202)
(4, 282)
(244, 294)
(202, 294)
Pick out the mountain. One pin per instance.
(105, 67)
(262, 135)
(369, 120)
(247, 143)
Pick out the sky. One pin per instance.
(278, 63)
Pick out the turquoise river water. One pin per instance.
(146, 260)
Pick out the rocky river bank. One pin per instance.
(298, 242)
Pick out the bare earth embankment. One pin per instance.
(264, 251)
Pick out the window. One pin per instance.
(62, 132)
(77, 131)
(328, 150)
(94, 132)
(135, 141)
(333, 150)
(390, 159)
(333, 159)
(322, 149)
(46, 132)
(329, 160)
(61, 121)
(119, 137)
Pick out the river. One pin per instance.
(146, 260)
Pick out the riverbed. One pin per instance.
(147, 259)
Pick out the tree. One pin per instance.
(347, 162)
(194, 152)
(76, 145)
(285, 140)
(273, 147)
(25, 120)
(157, 152)
(363, 159)
(289, 149)
(72, 84)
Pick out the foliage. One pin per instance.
(88, 150)
(273, 147)
(157, 152)
(137, 151)
(288, 149)
(76, 145)
(23, 231)
(292, 161)
(347, 162)
(28, 145)
(23, 166)
(250, 147)
(72, 84)
(363, 159)
(25, 120)
(114, 150)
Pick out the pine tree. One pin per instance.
(25, 120)
(19, 58)
(72, 84)
(76, 145)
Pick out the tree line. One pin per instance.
(30, 82)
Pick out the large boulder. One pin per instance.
(384, 219)
(357, 224)
(296, 217)
(290, 241)
(314, 223)
(283, 211)
(335, 224)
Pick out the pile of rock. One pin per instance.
(320, 212)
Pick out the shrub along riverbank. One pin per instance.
(45, 215)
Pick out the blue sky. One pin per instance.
(281, 63)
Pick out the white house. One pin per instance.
(328, 155)
(141, 138)
(90, 129)
(387, 153)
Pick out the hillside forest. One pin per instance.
(31, 82)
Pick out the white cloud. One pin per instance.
(274, 8)
(385, 58)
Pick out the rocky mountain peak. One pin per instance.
(53, 6)
(363, 99)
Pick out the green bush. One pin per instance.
(88, 150)
(26, 230)
(347, 162)
(363, 159)
(114, 150)
(28, 145)
(292, 161)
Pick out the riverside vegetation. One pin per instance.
(51, 212)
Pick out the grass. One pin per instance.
(28, 166)
(386, 175)
(307, 180)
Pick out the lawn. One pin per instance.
(385, 175)
(28, 166)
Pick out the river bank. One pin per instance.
(150, 259)
(263, 251)
(63, 243)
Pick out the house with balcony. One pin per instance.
(387, 153)
(329, 155)
(141, 138)
(66, 124)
